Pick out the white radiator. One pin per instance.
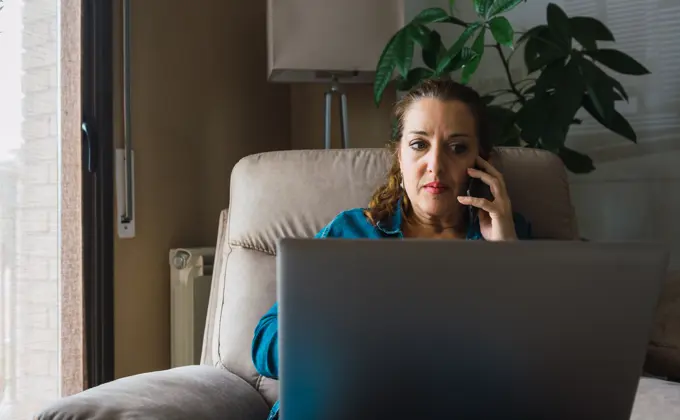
(190, 277)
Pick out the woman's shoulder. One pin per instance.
(351, 223)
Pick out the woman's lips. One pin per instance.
(435, 187)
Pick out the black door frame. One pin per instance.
(98, 189)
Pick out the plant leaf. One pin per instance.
(568, 94)
(531, 54)
(589, 68)
(576, 162)
(618, 61)
(568, 97)
(553, 137)
(452, 4)
(418, 33)
(452, 52)
(501, 124)
(549, 78)
(599, 86)
(502, 6)
(558, 22)
(617, 124)
(621, 126)
(414, 77)
(588, 30)
(531, 33)
(404, 51)
(532, 117)
(431, 15)
(385, 69)
(615, 84)
(464, 57)
(482, 7)
(511, 138)
(478, 48)
(433, 50)
(501, 29)
(541, 48)
(456, 21)
(398, 53)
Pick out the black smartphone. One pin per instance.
(477, 188)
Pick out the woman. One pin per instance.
(441, 138)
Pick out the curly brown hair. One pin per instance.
(383, 203)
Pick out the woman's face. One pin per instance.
(438, 144)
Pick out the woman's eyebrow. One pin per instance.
(451, 136)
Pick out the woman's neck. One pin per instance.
(417, 226)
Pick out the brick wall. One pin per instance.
(8, 206)
(37, 358)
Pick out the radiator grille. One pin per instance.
(190, 279)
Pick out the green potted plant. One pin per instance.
(563, 61)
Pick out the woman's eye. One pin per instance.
(459, 148)
(418, 145)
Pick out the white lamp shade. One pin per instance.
(310, 39)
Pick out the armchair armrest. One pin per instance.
(192, 392)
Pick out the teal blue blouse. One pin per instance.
(348, 224)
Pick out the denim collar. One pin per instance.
(391, 226)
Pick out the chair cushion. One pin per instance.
(663, 353)
(295, 193)
(211, 332)
(188, 392)
(656, 399)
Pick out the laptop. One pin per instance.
(439, 329)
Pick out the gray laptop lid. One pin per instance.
(463, 329)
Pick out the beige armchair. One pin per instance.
(295, 193)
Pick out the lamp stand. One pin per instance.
(333, 91)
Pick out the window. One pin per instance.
(36, 353)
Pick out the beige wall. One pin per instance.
(368, 126)
(199, 100)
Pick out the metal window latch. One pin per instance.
(90, 147)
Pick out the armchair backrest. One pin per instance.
(295, 193)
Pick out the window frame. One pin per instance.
(98, 189)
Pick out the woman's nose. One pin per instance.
(435, 162)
